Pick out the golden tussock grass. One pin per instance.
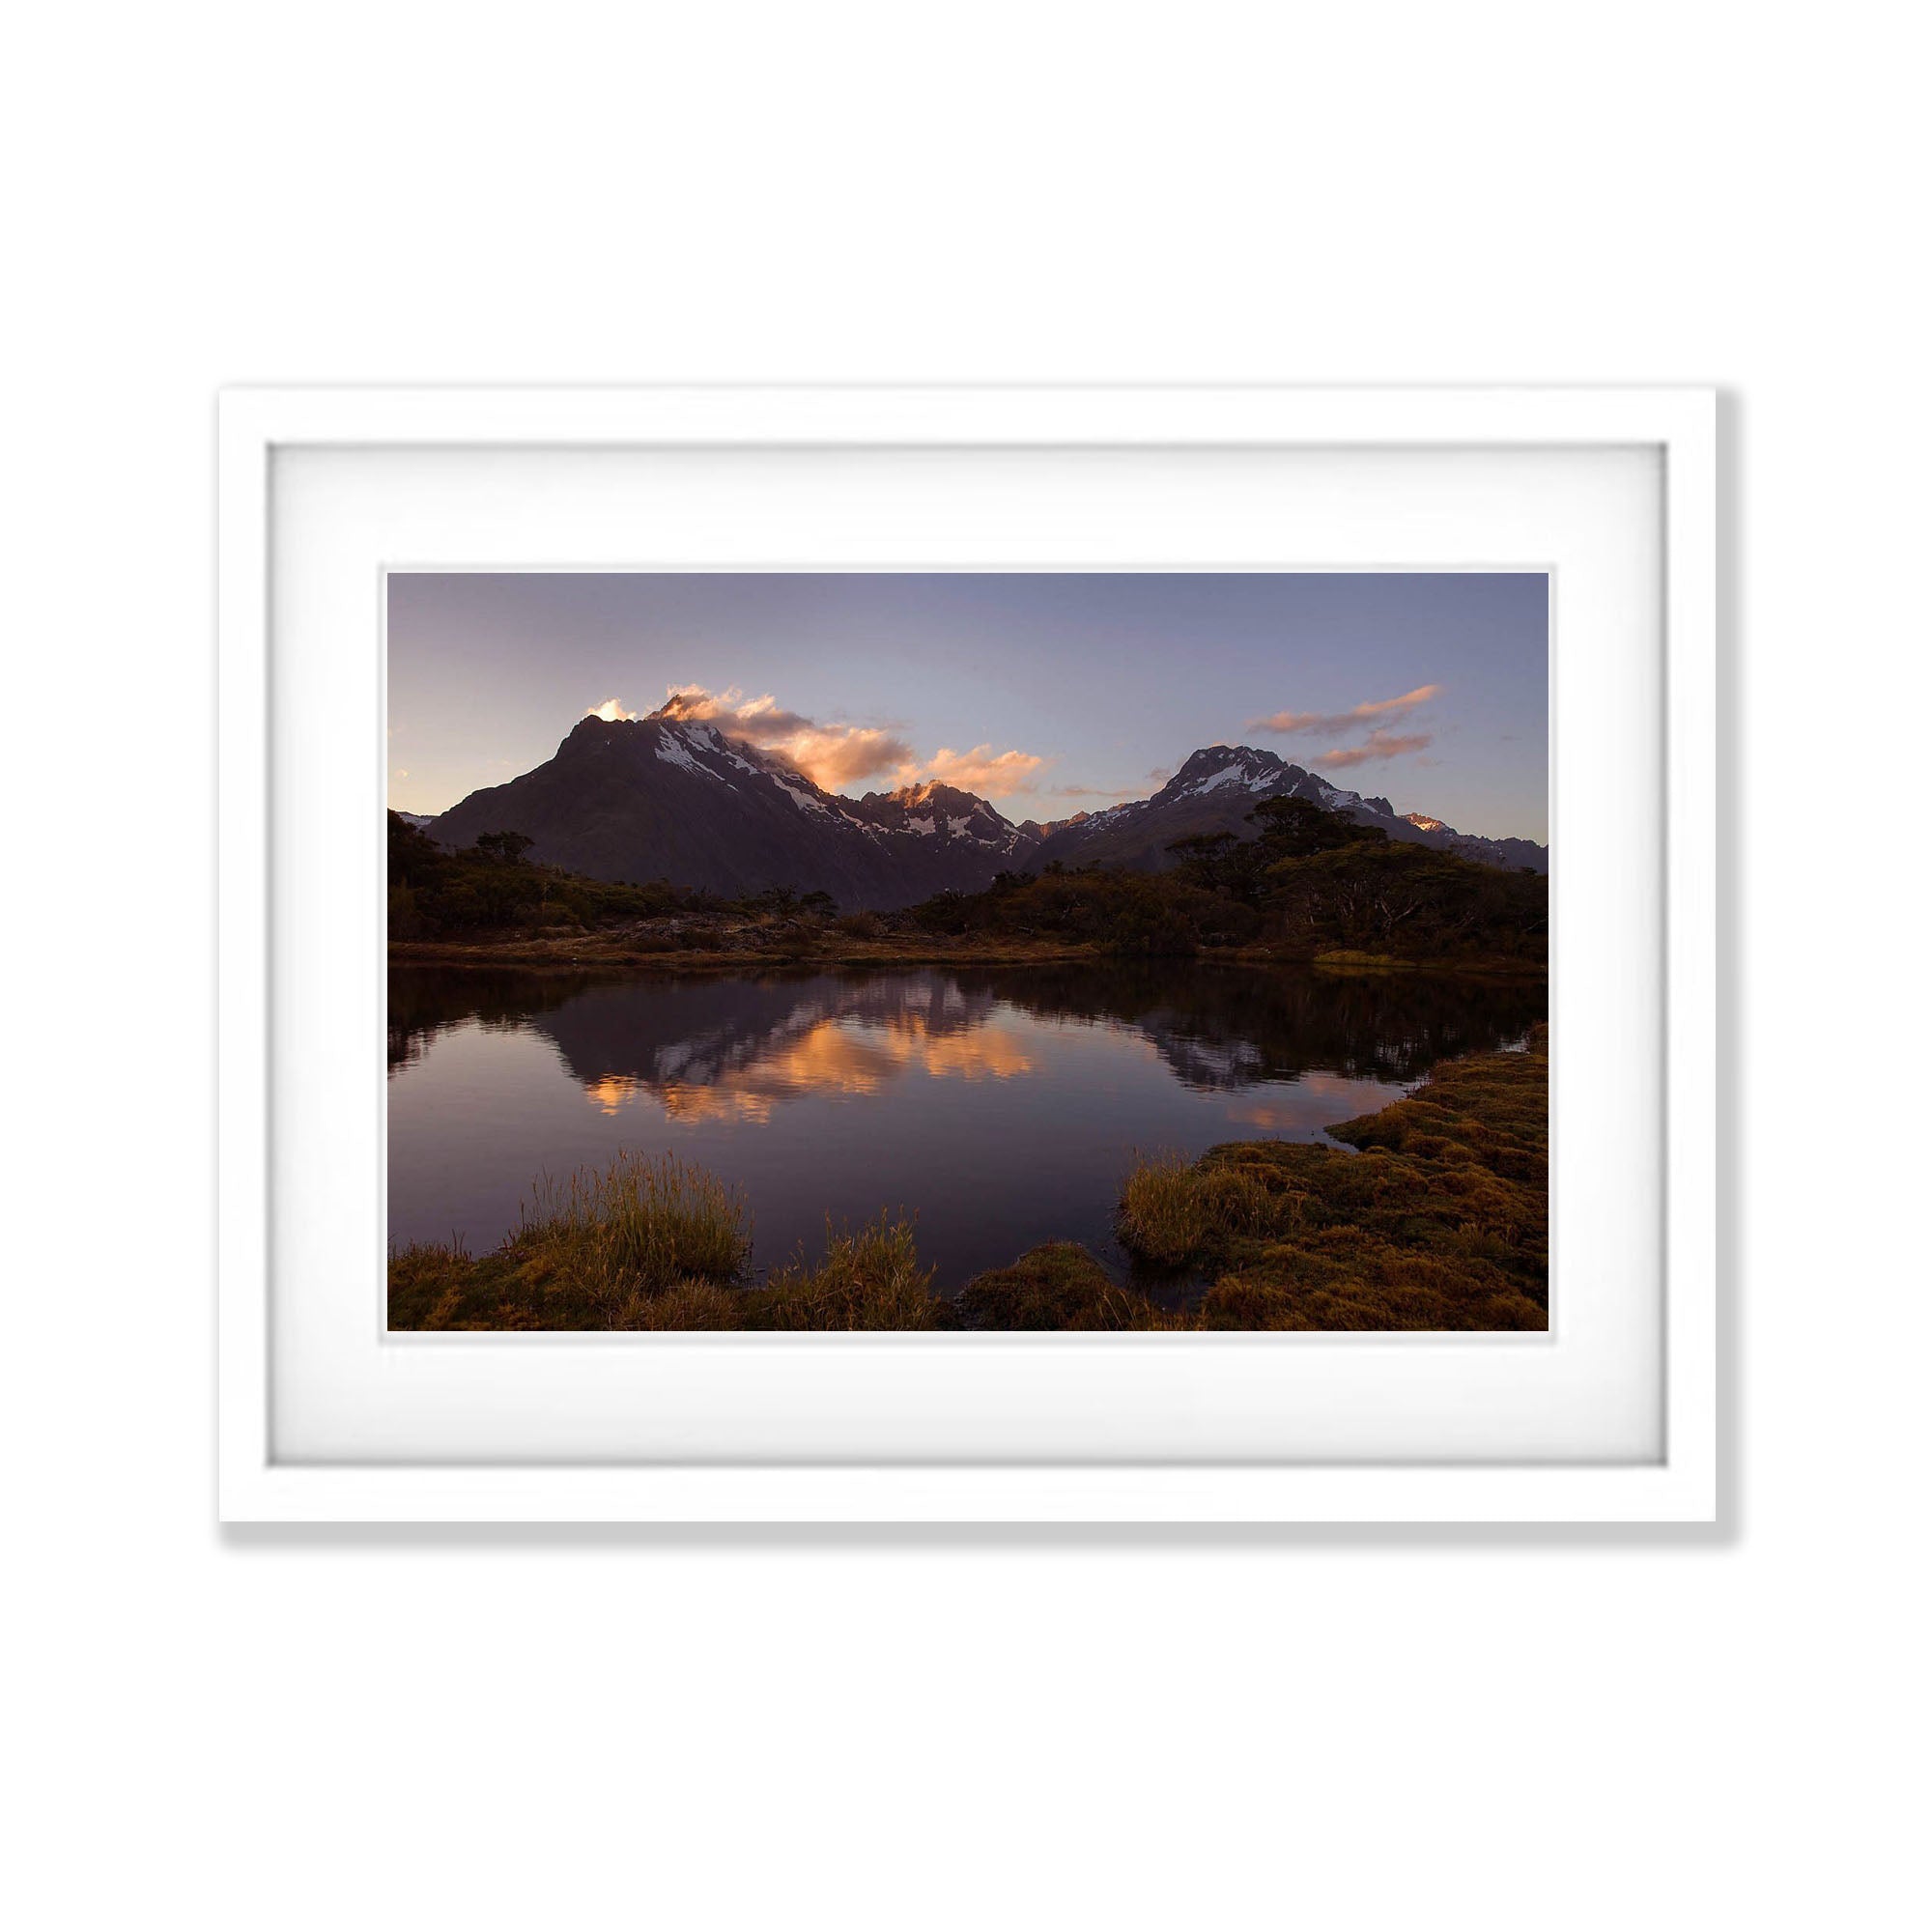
(1441, 1221)
(595, 1250)
(870, 1279)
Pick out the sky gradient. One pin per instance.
(1049, 694)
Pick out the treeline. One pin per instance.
(493, 887)
(1310, 881)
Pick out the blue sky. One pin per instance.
(1049, 692)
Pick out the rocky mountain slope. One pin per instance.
(1215, 790)
(674, 798)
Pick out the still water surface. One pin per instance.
(999, 1106)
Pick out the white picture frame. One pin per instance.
(386, 1480)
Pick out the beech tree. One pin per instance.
(509, 846)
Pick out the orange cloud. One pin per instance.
(1290, 722)
(979, 770)
(830, 756)
(1376, 747)
(834, 756)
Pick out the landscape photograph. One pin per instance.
(968, 952)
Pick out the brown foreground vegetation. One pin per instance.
(1441, 1221)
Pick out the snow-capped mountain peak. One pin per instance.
(1217, 790)
(1217, 767)
(675, 797)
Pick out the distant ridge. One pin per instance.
(1217, 790)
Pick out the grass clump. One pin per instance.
(597, 1250)
(656, 1245)
(683, 1305)
(1163, 1212)
(633, 1228)
(430, 1284)
(871, 1279)
(1441, 1222)
(1174, 1212)
(1057, 1286)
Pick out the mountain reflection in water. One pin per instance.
(1000, 1105)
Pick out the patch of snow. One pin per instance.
(674, 752)
(804, 800)
(1228, 775)
(925, 827)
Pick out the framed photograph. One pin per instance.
(968, 955)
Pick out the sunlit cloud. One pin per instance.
(1376, 749)
(979, 770)
(830, 756)
(840, 755)
(1291, 723)
(835, 757)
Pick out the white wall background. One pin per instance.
(589, 1729)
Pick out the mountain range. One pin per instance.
(671, 797)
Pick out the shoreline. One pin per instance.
(585, 954)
